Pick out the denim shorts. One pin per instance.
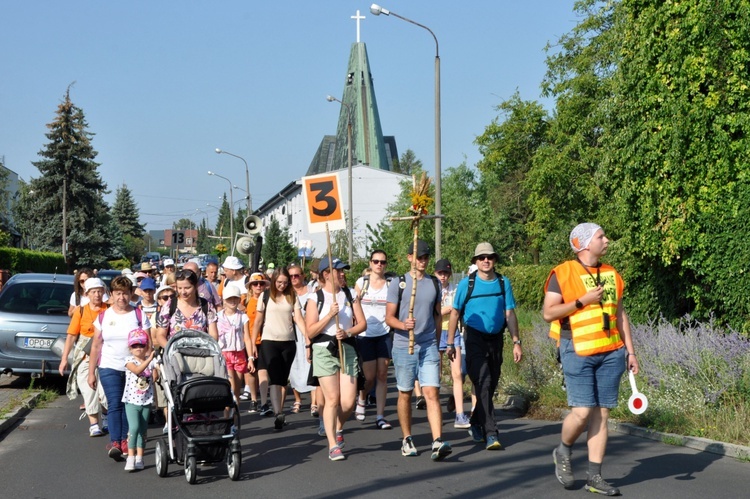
(458, 341)
(423, 365)
(593, 380)
(375, 348)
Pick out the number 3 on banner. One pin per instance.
(323, 202)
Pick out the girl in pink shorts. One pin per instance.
(233, 330)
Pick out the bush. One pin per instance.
(528, 283)
(20, 261)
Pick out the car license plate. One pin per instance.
(38, 342)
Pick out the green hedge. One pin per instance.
(19, 261)
(528, 284)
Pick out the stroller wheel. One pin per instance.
(191, 473)
(234, 463)
(162, 457)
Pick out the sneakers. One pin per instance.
(440, 449)
(408, 448)
(130, 463)
(245, 395)
(278, 423)
(124, 447)
(138, 463)
(493, 443)
(563, 469)
(265, 410)
(335, 454)
(94, 431)
(382, 424)
(359, 412)
(462, 421)
(476, 433)
(321, 429)
(105, 424)
(165, 430)
(597, 484)
(421, 403)
(253, 407)
(114, 451)
(340, 439)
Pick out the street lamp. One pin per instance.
(247, 179)
(231, 209)
(377, 10)
(350, 222)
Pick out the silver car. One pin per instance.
(33, 313)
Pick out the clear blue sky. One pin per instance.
(164, 83)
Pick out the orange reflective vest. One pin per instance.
(587, 324)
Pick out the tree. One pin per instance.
(68, 170)
(277, 248)
(222, 222)
(6, 212)
(408, 163)
(125, 215)
(509, 148)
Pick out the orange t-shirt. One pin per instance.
(252, 311)
(83, 320)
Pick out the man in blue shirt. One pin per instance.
(485, 309)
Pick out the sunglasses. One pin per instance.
(82, 281)
(379, 262)
(295, 276)
(257, 283)
(165, 297)
(184, 274)
(486, 257)
(138, 345)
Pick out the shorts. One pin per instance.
(278, 357)
(423, 365)
(375, 348)
(458, 341)
(236, 360)
(324, 363)
(593, 380)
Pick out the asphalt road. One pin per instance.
(49, 455)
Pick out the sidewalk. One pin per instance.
(15, 400)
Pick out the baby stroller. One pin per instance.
(194, 377)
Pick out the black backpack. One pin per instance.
(402, 285)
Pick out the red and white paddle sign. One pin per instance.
(638, 402)
(323, 202)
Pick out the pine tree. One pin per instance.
(69, 171)
(277, 248)
(125, 213)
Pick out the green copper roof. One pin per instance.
(369, 147)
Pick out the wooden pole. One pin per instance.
(415, 224)
(335, 292)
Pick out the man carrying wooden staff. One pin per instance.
(424, 363)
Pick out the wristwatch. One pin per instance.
(516, 342)
(579, 305)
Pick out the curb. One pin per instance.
(697, 443)
(19, 412)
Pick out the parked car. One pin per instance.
(33, 313)
(107, 275)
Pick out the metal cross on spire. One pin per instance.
(358, 18)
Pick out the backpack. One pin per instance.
(366, 284)
(347, 293)
(173, 309)
(470, 291)
(402, 285)
(138, 315)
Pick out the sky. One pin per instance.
(165, 83)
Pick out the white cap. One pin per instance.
(168, 261)
(232, 262)
(91, 283)
(126, 271)
(231, 290)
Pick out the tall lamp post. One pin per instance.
(247, 178)
(231, 209)
(350, 222)
(377, 10)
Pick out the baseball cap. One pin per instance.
(337, 264)
(230, 291)
(137, 337)
(443, 265)
(422, 248)
(147, 283)
(168, 262)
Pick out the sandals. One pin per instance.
(382, 424)
(296, 407)
(314, 411)
(359, 412)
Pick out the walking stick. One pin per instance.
(335, 292)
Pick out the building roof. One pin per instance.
(369, 146)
